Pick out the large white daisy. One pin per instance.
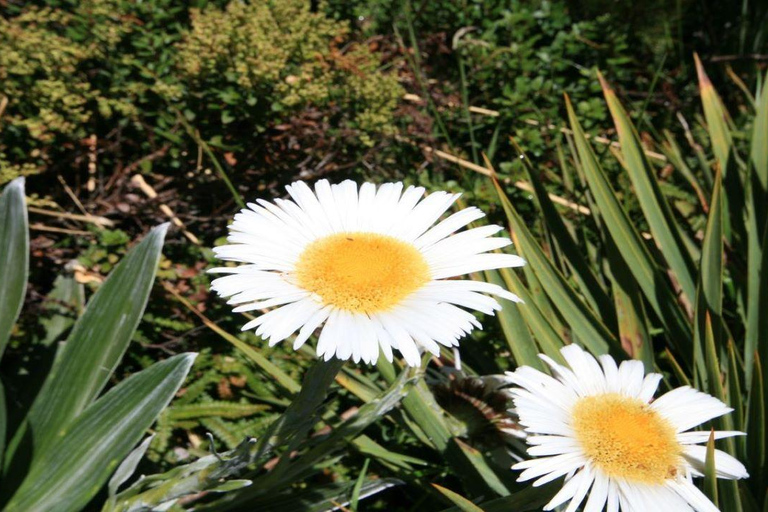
(599, 426)
(368, 263)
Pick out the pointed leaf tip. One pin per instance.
(604, 83)
(703, 78)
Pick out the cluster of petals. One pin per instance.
(269, 238)
(545, 407)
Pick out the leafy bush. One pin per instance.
(111, 67)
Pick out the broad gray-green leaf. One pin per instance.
(127, 467)
(14, 256)
(97, 342)
(79, 461)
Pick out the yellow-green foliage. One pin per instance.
(287, 57)
(40, 66)
(10, 171)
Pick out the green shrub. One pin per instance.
(267, 60)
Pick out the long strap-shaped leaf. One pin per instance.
(588, 283)
(584, 323)
(14, 256)
(76, 465)
(757, 256)
(709, 299)
(653, 203)
(97, 343)
(654, 284)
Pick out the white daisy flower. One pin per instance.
(369, 264)
(598, 425)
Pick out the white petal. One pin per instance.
(726, 466)
(686, 407)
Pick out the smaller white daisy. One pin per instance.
(598, 425)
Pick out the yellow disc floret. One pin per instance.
(625, 438)
(361, 272)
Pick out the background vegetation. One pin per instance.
(124, 115)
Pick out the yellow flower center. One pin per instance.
(625, 438)
(361, 272)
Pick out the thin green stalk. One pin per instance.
(465, 105)
(207, 150)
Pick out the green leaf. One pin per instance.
(471, 467)
(358, 485)
(757, 429)
(3, 421)
(630, 310)
(529, 499)
(317, 498)
(126, 468)
(519, 340)
(652, 202)
(709, 297)
(97, 342)
(582, 320)
(540, 327)
(710, 471)
(457, 499)
(14, 256)
(588, 283)
(716, 116)
(649, 277)
(757, 243)
(302, 414)
(79, 461)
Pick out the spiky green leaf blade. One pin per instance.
(728, 489)
(540, 327)
(529, 499)
(588, 283)
(710, 470)
(652, 202)
(759, 144)
(630, 310)
(649, 277)
(3, 422)
(302, 414)
(14, 256)
(457, 499)
(85, 452)
(519, 339)
(757, 429)
(757, 234)
(582, 320)
(358, 485)
(316, 498)
(97, 342)
(709, 297)
(716, 116)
